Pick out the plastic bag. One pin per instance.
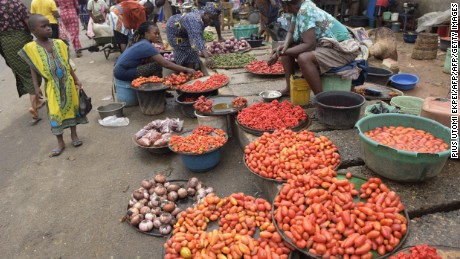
(114, 121)
(430, 19)
(153, 135)
(141, 133)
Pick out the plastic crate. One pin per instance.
(245, 31)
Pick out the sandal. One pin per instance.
(56, 152)
(77, 143)
(35, 120)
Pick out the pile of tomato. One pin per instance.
(408, 139)
(271, 116)
(239, 102)
(143, 80)
(317, 212)
(202, 140)
(213, 82)
(203, 105)
(261, 67)
(189, 99)
(419, 252)
(284, 153)
(175, 80)
(239, 216)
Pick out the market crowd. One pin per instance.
(314, 41)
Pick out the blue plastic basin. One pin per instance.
(201, 163)
(404, 81)
(410, 37)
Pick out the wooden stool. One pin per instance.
(227, 12)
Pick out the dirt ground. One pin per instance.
(70, 206)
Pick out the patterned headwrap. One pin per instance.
(212, 8)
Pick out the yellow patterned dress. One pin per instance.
(60, 89)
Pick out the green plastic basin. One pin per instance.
(398, 165)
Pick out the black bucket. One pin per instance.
(338, 109)
(152, 102)
(186, 107)
(378, 75)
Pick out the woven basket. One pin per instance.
(426, 46)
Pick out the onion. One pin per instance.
(172, 196)
(143, 201)
(209, 190)
(175, 211)
(182, 193)
(150, 216)
(146, 225)
(132, 212)
(156, 211)
(160, 190)
(167, 184)
(172, 188)
(155, 201)
(165, 229)
(156, 223)
(144, 210)
(199, 185)
(151, 190)
(146, 194)
(138, 205)
(191, 191)
(165, 218)
(150, 205)
(138, 194)
(146, 184)
(193, 182)
(132, 202)
(168, 207)
(201, 192)
(136, 220)
(173, 221)
(160, 178)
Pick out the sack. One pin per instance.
(85, 103)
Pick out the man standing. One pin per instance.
(48, 9)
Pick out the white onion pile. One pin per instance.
(153, 205)
(229, 46)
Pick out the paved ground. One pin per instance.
(70, 206)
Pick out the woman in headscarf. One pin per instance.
(142, 58)
(185, 35)
(316, 40)
(126, 17)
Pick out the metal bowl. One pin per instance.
(111, 109)
(270, 95)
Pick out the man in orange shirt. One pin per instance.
(380, 7)
(48, 9)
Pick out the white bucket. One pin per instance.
(394, 17)
(217, 122)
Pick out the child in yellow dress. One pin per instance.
(49, 59)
